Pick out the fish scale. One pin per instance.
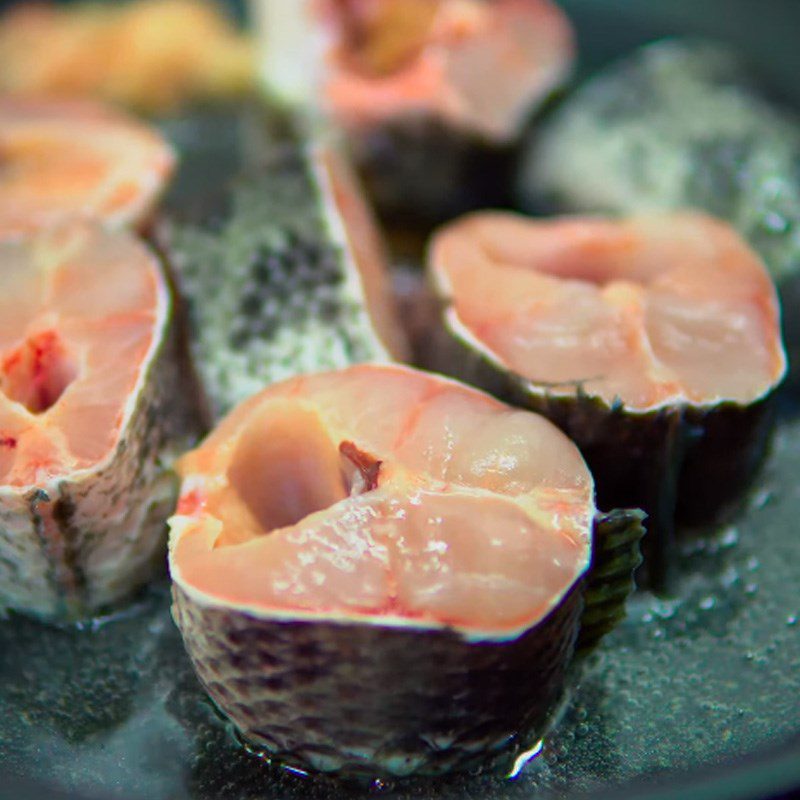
(296, 675)
(678, 123)
(289, 298)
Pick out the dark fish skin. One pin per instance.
(419, 171)
(377, 701)
(72, 547)
(616, 554)
(684, 466)
(368, 701)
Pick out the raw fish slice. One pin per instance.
(64, 160)
(378, 571)
(91, 411)
(653, 342)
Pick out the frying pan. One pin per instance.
(696, 694)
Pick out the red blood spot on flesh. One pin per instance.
(8, 441)
(367, 465)
(38, 372)
(190, 503)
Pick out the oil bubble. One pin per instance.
(761, 498)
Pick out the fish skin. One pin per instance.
(421, 172)
(71, 546)
(288, 299)
(616, 554)
(371, 701)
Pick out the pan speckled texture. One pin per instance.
(703, 680)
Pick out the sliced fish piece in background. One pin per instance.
(67, 160)
(432, 95)
(92, 412)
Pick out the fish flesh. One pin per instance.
(653, 342)
(68, 160)
(378, 571)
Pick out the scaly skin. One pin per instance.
(377, 701)
(421, 172)
(287, 293)
(677, 124)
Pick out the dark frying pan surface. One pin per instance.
(709, 678)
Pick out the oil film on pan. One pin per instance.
(398, 398)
